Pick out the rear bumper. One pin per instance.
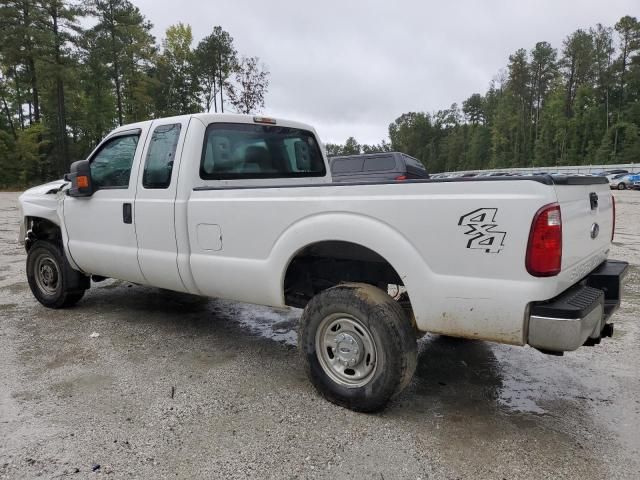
(579, 315)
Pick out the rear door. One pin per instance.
(155, 203)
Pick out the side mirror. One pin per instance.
(80, 178)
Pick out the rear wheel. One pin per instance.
(48, 276)
(621, 186)
(358, 347)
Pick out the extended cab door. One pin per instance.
(155, 203)
(100, 228)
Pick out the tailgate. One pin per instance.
(587, 221)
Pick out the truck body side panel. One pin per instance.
(460, 281)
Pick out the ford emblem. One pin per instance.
(595, 230)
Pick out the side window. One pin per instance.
(377, 164)
(111, 166)
(347, 165)
(159, 162)
(245, 151)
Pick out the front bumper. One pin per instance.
(579, 315)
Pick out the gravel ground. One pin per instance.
(177, 386)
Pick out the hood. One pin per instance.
(50, 188)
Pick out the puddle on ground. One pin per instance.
(462, 371)
(89, 383)
(467, 374)
(279, 325)
(73, 355)
(17, 287)
(468, 370)
(25, 396)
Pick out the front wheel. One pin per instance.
(357, 345)
(621, 186)
(48, 276)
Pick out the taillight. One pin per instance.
(544, 251)
(613, 206)
(400, 178)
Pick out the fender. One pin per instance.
(359, 229)
(42, 201)
(46, 201)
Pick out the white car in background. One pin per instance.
(622, 181)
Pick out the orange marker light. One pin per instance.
(83, 181)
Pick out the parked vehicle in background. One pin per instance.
(376, 167)
(623, 181)
(611, 174)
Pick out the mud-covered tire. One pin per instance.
(374, 322)
(52, 282)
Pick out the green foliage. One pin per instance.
(580, 108)
(63, 87)
(176, 75)
(215, 59)
(28, 157)
(352, 147)
(247, 93)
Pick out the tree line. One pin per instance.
(578, 105)
(72, 71)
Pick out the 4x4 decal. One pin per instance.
(481, 228)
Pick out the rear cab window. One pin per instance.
(244, 151)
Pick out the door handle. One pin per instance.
(127, 215)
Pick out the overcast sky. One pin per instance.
(351, 67)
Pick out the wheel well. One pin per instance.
(325, 264)
(41, 229)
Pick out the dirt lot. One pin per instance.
(182, 387)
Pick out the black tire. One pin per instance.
(386, 327)
(621, 186)
(56, 284)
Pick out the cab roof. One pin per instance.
(207, 118)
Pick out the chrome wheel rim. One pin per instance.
(47, 274)
(346, 350)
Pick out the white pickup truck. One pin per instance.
(243, 208)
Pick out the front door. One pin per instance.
(100, 228)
